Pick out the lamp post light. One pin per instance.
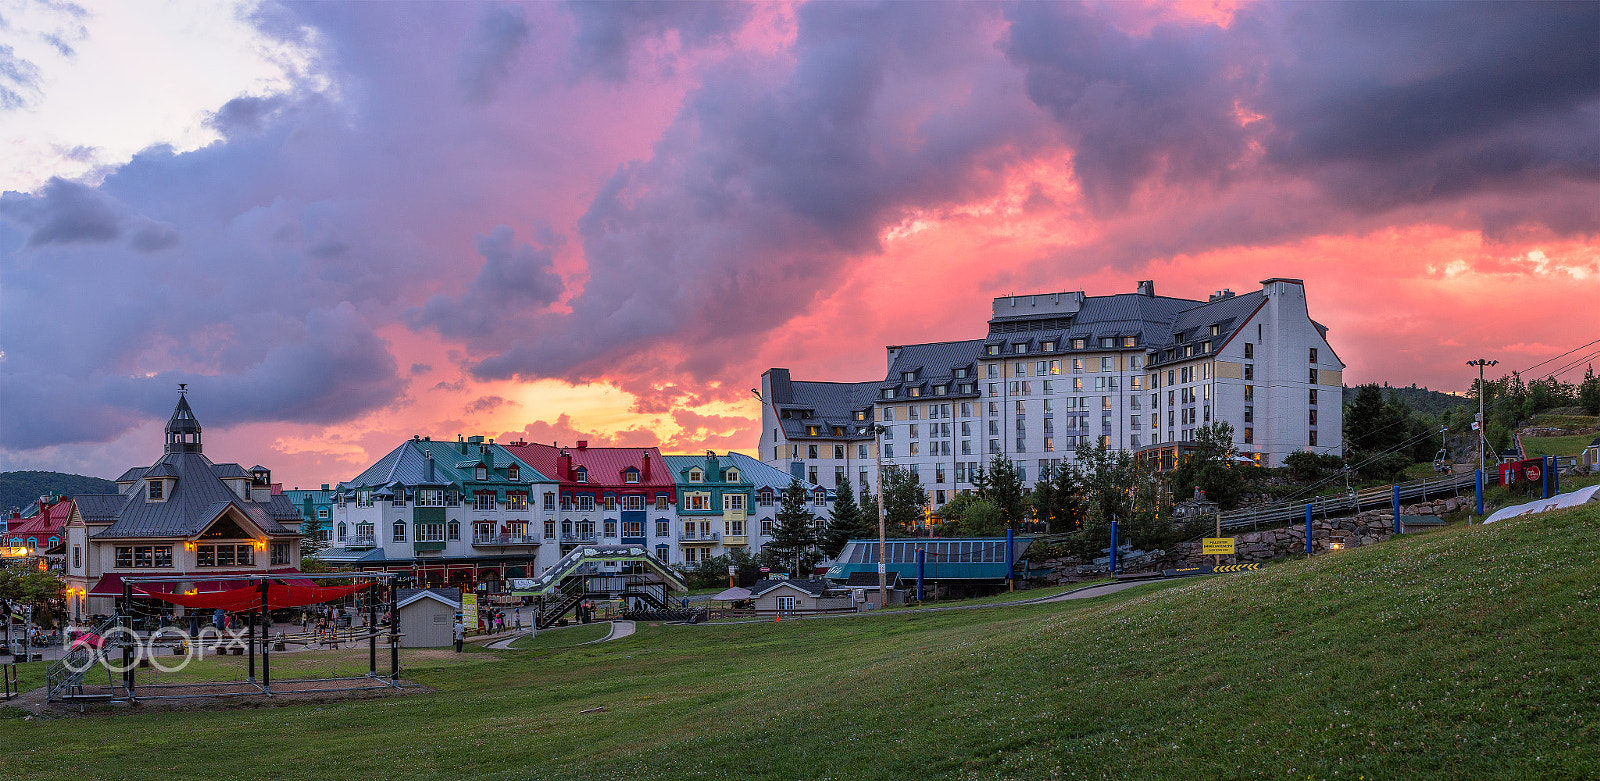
(883, 536)
(1483, 425)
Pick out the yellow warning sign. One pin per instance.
(1220, 545)
(1236, 568)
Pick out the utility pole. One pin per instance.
(883, 535)
(1483, 425)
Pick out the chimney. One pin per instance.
(488, 458)
(461, 444)
(1147, 287)
(564, 465)
(428, 454)
(644, 469)
(583, 444)
(325, 485)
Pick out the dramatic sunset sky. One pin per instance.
(344, 224)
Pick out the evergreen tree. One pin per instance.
(904, 500)
(1589, 392)
(792, 536)
(848, 521)
(1057, 499)
(312, 543)
(1001, 486)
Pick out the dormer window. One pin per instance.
(514, 472)
(630, 476)
(1129, 341)
(1107, 341)
(938, 390)
(812, 431)
(907, 376)
(1216, 329)
(888, 393)
(1048, 347)
(581, 476)
(916, 390)
(1019, 348)
(732, 476)
(959, 373)
(993, 349)
(838, 431)
(157, 490)
(695, 476)
(861, 414)
(481, 472)
(1079, 344)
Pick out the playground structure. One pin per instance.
(116, 646)
(640, 580)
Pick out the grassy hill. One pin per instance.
(1464, 653)
(20, 489)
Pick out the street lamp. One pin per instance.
(877, 430)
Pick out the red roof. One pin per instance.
(605, 465)
(50, 520)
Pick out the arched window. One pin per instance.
(54, 541)
(33, 542)
(341, 531)
(566, 528)
(454, 530)
(399, 531)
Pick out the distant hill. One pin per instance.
(1427, 402)
(20, 489)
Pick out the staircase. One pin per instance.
(565, 598)
(64, 678)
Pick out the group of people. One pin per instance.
(494, 619)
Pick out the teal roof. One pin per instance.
(765, 475)
(680, 466)
(948, 558)
(408, 465)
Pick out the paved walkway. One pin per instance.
(619, 630)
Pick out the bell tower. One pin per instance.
(183, 430)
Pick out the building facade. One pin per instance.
(604, 495)
(1059, 372)
(466, 514)
(181, 516)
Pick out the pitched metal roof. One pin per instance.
(933, 364)
(133, 473)
(408, 465)
(99, 508)
(604, 465)
(451, 597)
(194, 500)
(813, 587)
(765, 475)
(830, 405)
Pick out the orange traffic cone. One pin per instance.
(777, 619)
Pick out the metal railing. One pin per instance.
(699, 537)
(1381, 497)
(505, 539)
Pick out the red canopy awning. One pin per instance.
(280, 594)
(110, 584)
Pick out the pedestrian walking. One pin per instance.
(460, 633)
(516, 618)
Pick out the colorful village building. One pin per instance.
(605, 495)
(39, 532)
(181, 516)
(466, 514)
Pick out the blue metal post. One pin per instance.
(921, 557)
(1308, 528)
(1113, 547)
(1544, 478)
(1555, 476)
(1477, 484)
(1396, 487)
(1010, 574)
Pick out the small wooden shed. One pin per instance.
(427, 616)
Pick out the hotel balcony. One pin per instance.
(699, 537)
(501, 540)
(361, 541)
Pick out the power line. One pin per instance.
(1563, 355)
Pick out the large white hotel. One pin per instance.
(1059, 371)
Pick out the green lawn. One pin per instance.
(1533, 447)
(563, 637)
(1464, 653)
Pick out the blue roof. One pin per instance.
(947, 558)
